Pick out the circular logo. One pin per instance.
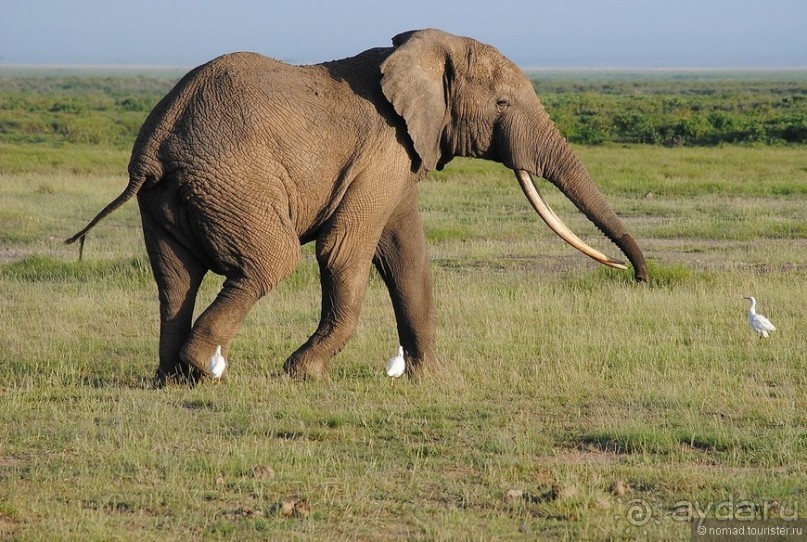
(639, 513)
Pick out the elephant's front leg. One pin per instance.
(344, 256)
(402, 259)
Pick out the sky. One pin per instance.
(533, 33)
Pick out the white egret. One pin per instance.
(217, 364)
(759, 323)
(397, 365)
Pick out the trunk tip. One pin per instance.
(641, 275)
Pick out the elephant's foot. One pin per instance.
(428, 367)
(178, 375)
(197, 352)
(305, 367)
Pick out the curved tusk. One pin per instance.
(556, 225)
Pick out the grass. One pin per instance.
(574, 399)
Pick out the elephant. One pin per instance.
(248, 158)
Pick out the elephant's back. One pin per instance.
(245, 66)
(246, 108)
(216, 83)
(203, 106)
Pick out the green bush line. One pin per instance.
(664, 110)
(674, 112)
(76, 110)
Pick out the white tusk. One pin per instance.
(557, 226)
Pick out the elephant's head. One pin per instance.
(460, 97)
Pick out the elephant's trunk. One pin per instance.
(562, 167)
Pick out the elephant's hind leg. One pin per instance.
(344, 261)
(219, 323)
(178, 275)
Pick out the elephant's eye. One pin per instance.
(502, 104)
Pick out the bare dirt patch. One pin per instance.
(585, 456)
(8, 255)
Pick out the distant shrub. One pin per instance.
(141, 104)
(677, 111)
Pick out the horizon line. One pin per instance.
(604, 68)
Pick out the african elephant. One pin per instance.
(248, 158)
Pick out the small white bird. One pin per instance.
(397, 365)
(759, 323)
(217, 364)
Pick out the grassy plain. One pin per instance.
(577, 405)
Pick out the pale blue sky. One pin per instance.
(534, 33)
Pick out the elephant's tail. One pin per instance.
(135, 183)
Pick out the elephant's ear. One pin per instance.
(414, 81)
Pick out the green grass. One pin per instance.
(564, 378)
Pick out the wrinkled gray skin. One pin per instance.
(247, 158)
